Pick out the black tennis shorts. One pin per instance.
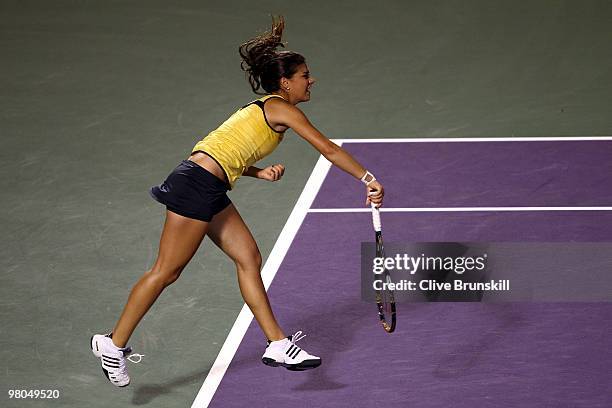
(191, 191)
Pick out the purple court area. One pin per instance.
(479, 174)
(442, 354)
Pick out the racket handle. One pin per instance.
(376, 218)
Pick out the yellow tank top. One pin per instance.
(241, 140)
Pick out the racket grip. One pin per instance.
(376, 218)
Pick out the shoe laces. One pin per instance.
(136, 355)
(121, 371)
(127, 353)
(297, 336)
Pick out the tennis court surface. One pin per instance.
(528, 354)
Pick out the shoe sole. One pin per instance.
(303, 366)
(98, 354)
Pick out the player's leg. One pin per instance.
(229, 232)
(180, 239)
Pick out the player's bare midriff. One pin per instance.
(209, 164)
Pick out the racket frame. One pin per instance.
(385, 296)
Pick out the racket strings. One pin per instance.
(385, 298)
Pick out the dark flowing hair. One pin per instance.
(264, 65)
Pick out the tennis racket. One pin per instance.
(385, 300)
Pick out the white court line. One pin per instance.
(283, 242)
(475, 139)
(456, 209)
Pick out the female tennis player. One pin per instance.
(197, 205)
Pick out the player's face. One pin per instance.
(300, 83)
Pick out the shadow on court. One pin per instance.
(144, 394)
(465, 354)
(340, 338)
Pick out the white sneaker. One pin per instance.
(113, 359)
(286, 354)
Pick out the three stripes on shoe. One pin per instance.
(293, 351)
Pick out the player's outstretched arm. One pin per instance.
(293, 117)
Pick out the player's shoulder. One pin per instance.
(277, 100)
(280, 106)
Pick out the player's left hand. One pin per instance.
(272, 173)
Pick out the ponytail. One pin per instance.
(263, 64)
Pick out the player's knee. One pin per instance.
(166, 275)
(250, 260)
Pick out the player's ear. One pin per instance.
(284, 83)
